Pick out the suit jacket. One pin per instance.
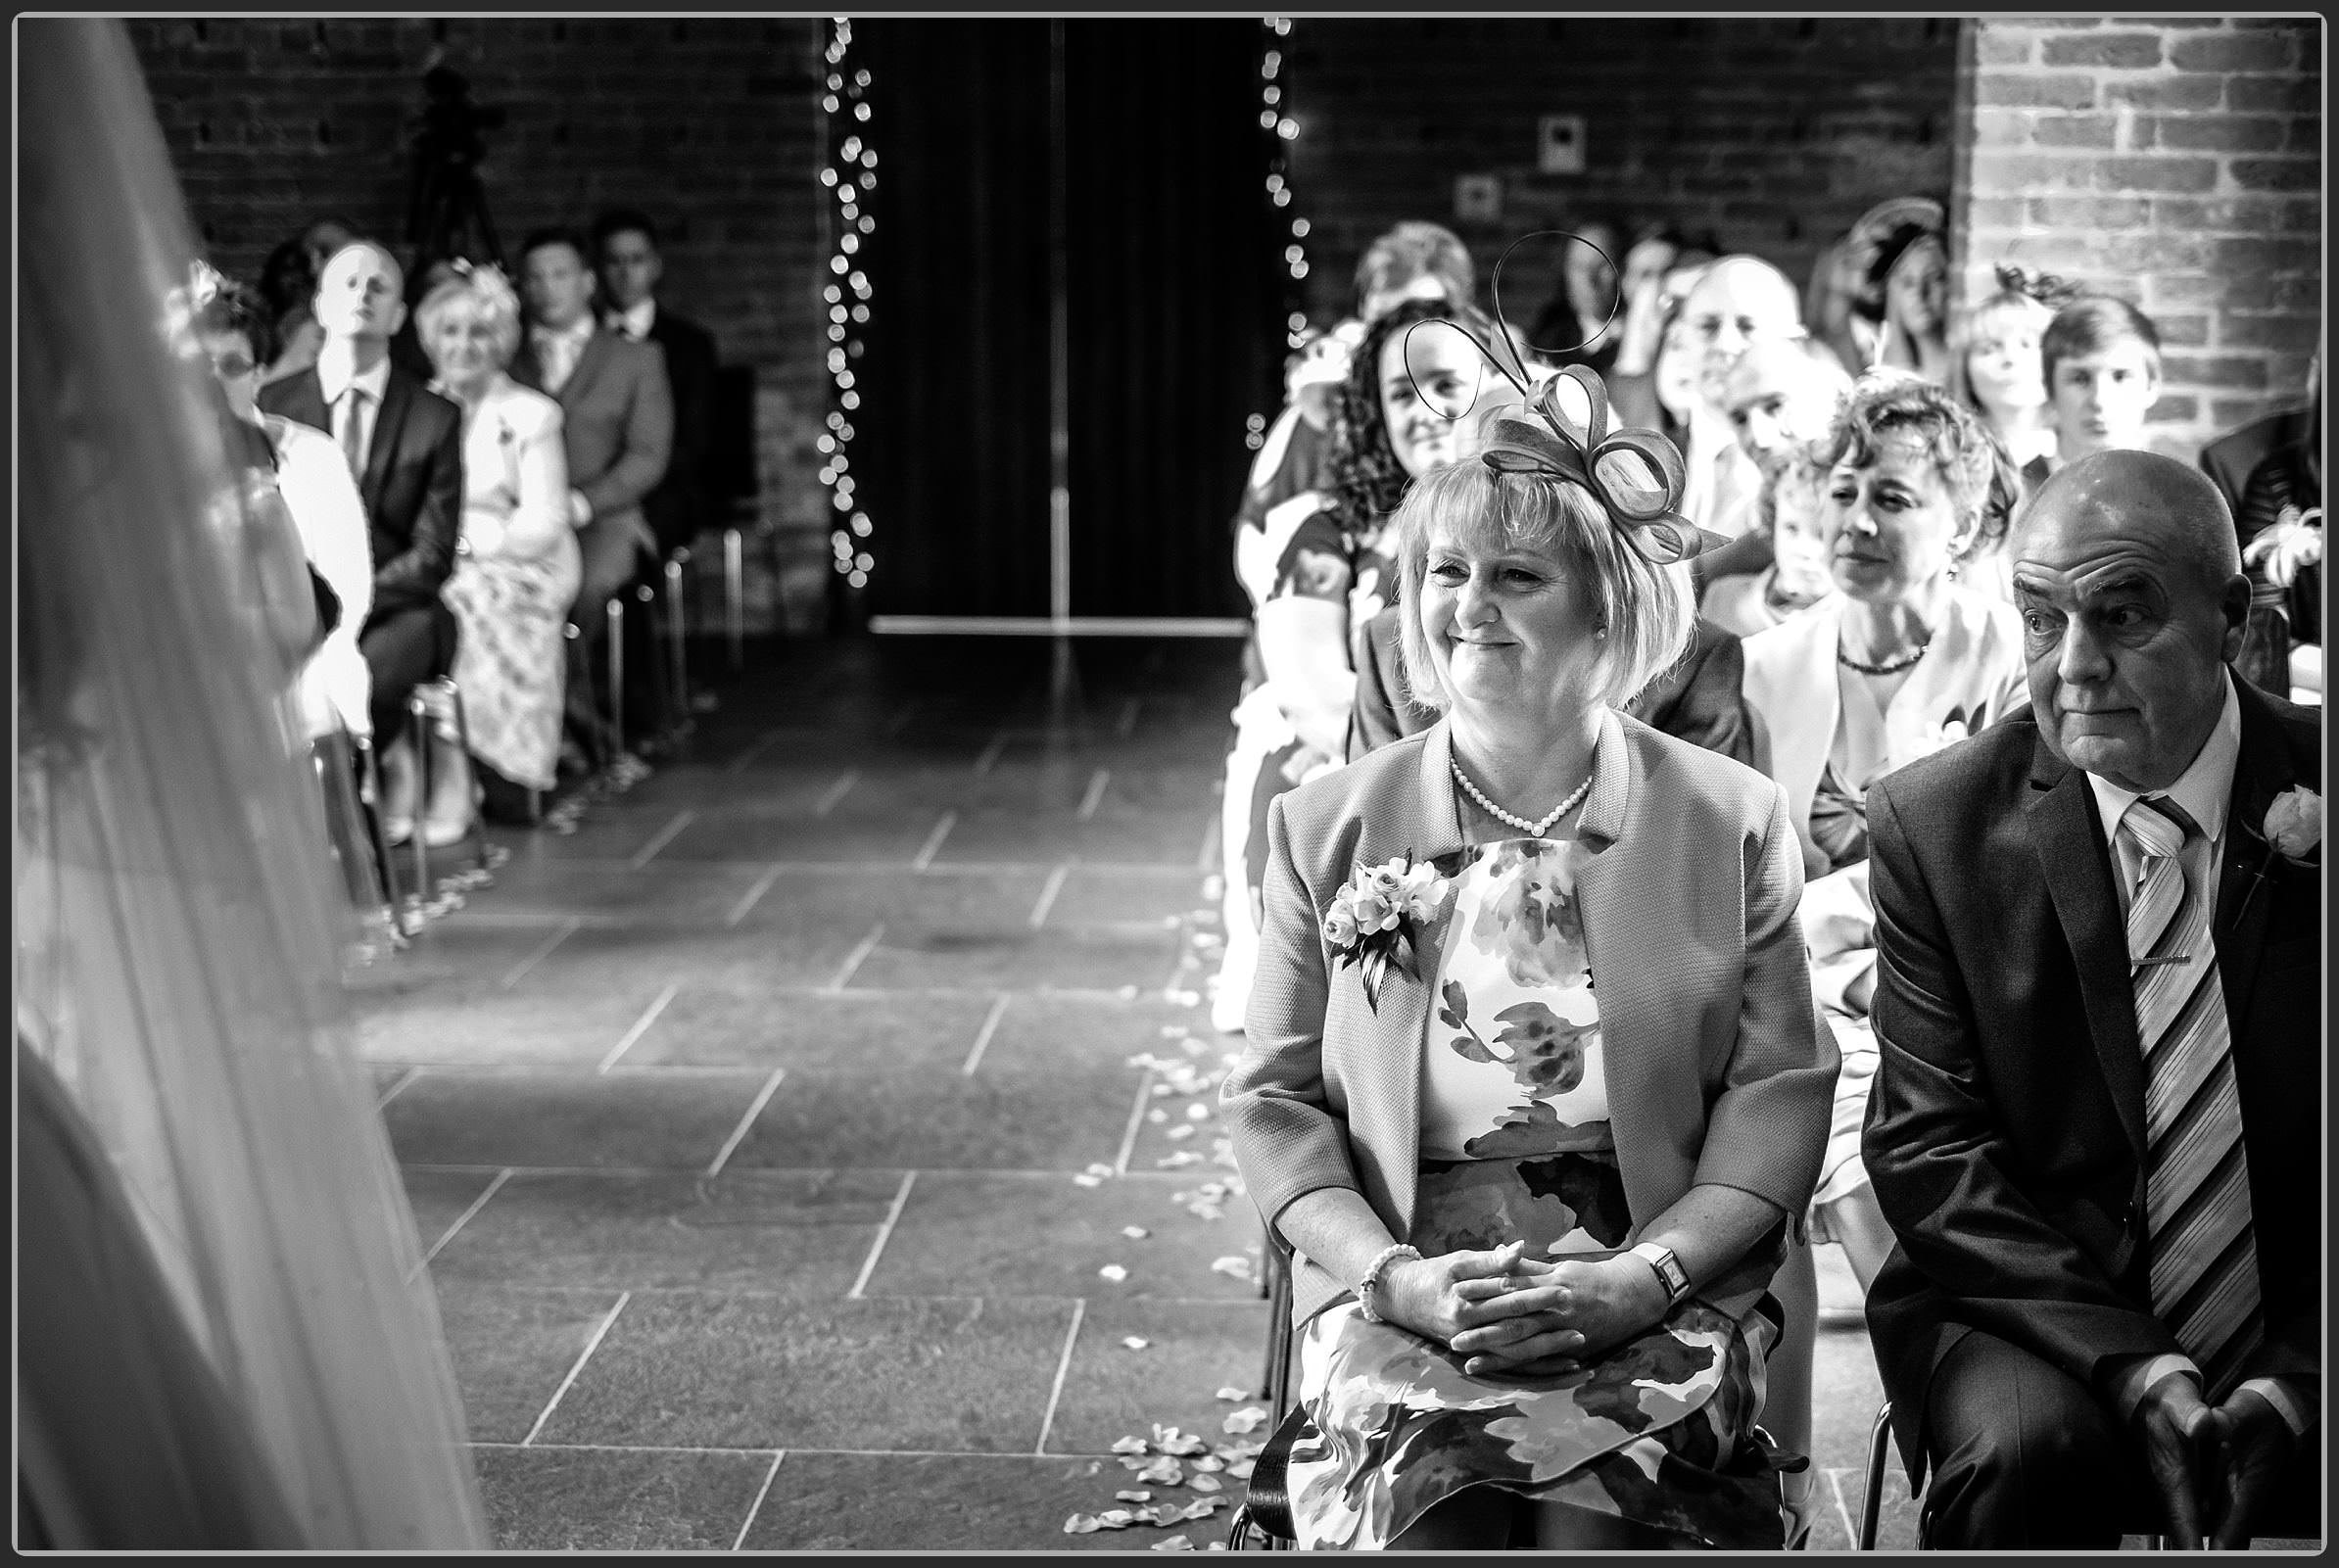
(1696, 698)
(2229, 460)
(617, 423)
(1974, 669)
(678, 505)
(2006, 1125)
(414, 483)
(1719, 1068)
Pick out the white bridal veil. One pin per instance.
(179, 925)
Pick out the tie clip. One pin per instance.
(2166, 957)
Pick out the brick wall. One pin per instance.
(711, 126)
(1774, 133)
(2175, 162)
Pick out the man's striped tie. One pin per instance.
(2197, 1177)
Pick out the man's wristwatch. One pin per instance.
(1669, 1272)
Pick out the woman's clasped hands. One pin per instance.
(1511, 1315)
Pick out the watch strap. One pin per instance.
(1669, 1272)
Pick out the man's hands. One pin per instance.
(2214, 1466)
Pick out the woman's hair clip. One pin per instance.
(2047, 289)
(1637, 475)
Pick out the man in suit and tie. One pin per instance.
(2096, 1129)
(625, 245)
(404, 445)
(618, 426)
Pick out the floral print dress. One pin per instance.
(1515, 1144)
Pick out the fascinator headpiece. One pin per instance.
(1564, 433)
(184, 303)
(2045, 287)
(487, 280)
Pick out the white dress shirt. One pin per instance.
(2203, 791)
(557, 351)
(315, 481)
(334, 380)
(636, 320)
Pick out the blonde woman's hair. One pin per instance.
(483, 291)
(1647, 608)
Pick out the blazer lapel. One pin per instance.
(1392, 1038)
(2260, 772)
(589, 363)
(2077, 867)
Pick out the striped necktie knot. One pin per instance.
(2158, 825)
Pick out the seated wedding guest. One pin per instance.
(1894, 275)
(1994, 363)
(1913, 334)
(1781, 396)
(1736, 302)
(517, 568)
(1319, 572)
(2278, 514)
(1581, 325)
(2101, 360)
(1414, 261)
(234, 328)
(1836, 278)
(1543, 1136)
(1900, 660)
(681, 505)
(288, 284)
(617, 428)
(403, 444)
(1790, 522)
(2094, 1133)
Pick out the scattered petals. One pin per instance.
(1240, 1469)
(1129, 1445)
(1157, 1116)
(1208, 1462)
(1184, 1129)
(1086, 1181)
(1204, 1508)
(1135, 1232)
(1164, 1472)
(1234, 1265)
(1174, 1544)
(1233, 1393)
(1247, 1419)
(1132, 1497)
(1099, 1168)
(1135, 1343)
(1116, 1518)
(1179, 1159)
(1198, 1111)
(1205, 1483)
(1114, 1273)
(1082, 1524)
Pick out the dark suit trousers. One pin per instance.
(2027, 1456)
(404, 647)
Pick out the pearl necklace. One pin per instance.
(1891, 667)
(1533, 830)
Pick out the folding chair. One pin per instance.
(419, 712)
(353, 827)
(1880, 1449)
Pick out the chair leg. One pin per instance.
(735, 593)
(616, 617)
(419, 720)
(1880, 1448)
(673, 633)
(371, 794)
(462, 732)
(1279, 1337)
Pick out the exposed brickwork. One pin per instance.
(2175, 162)
(712, 126)
(1774, 133)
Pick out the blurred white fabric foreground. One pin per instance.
(178, 923)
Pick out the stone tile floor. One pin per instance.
(767, 1134)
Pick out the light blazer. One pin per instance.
(1719, 1068)
(1974, 664)
(2005, 1131)
(617, 423)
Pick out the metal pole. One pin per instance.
(675, 628)
(734, 592)
(1059, 341)
(617, 675)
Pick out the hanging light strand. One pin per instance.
(1280, 129)
(849, 176)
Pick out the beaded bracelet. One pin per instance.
(1371, 1281)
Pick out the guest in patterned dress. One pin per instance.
(1903, 659)
(517, 566)
(1317, 572)
(1535, 1085)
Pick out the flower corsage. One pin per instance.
(2292, 831)
(1376, 919)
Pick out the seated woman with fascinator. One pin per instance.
(518, 562)
(1534, 1082)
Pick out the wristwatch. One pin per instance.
(1669, 1272)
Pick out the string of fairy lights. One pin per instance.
(851, 176)
(1275, 121)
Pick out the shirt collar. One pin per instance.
(2203, 790)
(333, 378)
(637, 318)
(577, 333)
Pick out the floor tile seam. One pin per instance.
(739, 1134)
(666, 835)
(1851, 1530)
(877, 1246)
(512, 977)
(577, 1368)
(641, 1027)
(502, 1178)
(755, 1507)
(1071, 1336)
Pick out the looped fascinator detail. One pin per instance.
(1564, 433)
(488, 282)
(2045, 287)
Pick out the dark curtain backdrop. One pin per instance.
(951, 441)
(1174, 307)
(1176, 329)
